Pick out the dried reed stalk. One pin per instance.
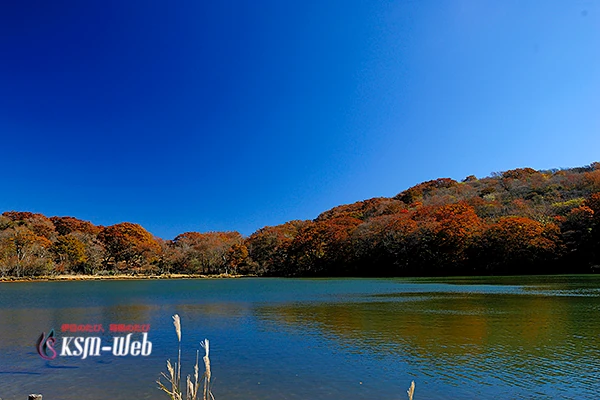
(411, 390)
(207, 374)
(174, 373)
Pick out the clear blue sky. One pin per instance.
(227, 115)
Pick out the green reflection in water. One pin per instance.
(540, 333)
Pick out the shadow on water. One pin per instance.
(61, 366)
(19, 373)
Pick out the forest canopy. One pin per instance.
(520, 221)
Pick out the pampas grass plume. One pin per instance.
(177, 323)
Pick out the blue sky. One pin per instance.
(235, 115)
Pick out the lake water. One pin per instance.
(457, 338)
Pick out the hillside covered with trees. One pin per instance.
(520, 221)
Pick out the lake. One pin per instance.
(457, 338)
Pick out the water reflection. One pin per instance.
(495, 339)
(463, 338)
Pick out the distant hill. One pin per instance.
(520, 221)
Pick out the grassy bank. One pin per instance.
(114, 277)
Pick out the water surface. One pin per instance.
(458, 338)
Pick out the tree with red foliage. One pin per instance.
(66, 225)
(364, 210)
(593, 202)
(237, 258)
(204, 253)
(129, 243)
(519, 173)
(22, 252)
(385, 245)
(323, 247)
(69, 253)
(37, 223)
(445, 236)
(519, 244)
(268, 247)
(418, 192)
(457, 227)
(577, 233)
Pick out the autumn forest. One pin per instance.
(520, 221)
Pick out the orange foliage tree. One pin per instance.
(457, 227)
(236, 259)
(364, 210)
(37, 223)
(204, 253)
(515, 244)
(66, 225)
(323, 247)
(385, 245)
(418, 192)
(129, 243)
(70, 253)
(593, 202)
(22, 252)
(268, 247)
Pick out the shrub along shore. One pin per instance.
(520, 221)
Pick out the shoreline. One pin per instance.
(116, 277)
(128, 277)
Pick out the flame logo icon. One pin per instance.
(45, 346)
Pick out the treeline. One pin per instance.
(515, 222)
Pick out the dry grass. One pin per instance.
(411, 390)
(207, 392)
(173, 375)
